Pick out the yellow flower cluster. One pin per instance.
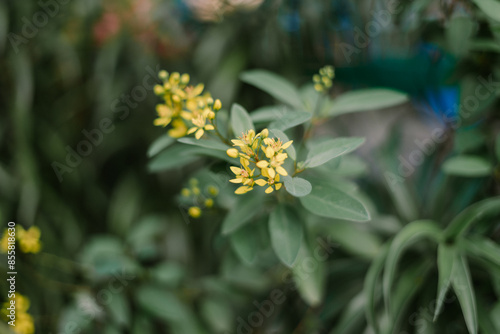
(258, 151)
(194, 195)
(185, 107)
(29, 240)
(323, 80)
(24, 321)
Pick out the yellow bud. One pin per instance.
(264, 133)
(176, 98)
(193, 182)
(185, 78)
(232, 152)
(209, 202)
(211, 115)
(194, 212)
(196, 191)
(217, 105)
(210, 100)
(316, 78)
(175, 77)
(212, 190)
(163, 75)
(318, 88)
(159, 90)
(185, 192)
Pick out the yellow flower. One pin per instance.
(272, 181)
(217, 105)
(270, 165)
(179, 129)
(22, 303)
(24, 324)
(200, 126)
(194, 212)
(4, 242)
(164, 115)
(29, 240)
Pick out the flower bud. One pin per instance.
(159, 90)
(185, 78)
(232, 152)
(163, 75)
(194, 212)
(264, 133)
(217, 105)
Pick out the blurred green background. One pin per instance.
(78, 69)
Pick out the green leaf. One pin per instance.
(330, 202)
(401, 196)
(489, 7)
(245, 243)
(410, 234)
(297, 186)
(497, 147)
(366, 99)
(168, 273)
(267, 114)
(370, 289)
(290, 120)
(329, 149)
(459, 30)
(242, 212)
(462, 285)
(240, 120)
(161, 303)
(206, 143)
(173, 157)
(284, 138)
(480, 210)
(218, 313)
(120, 309)
(286, 233)
(309, 277)
(482, 247)
(274, 85)
(159, 145)
(467, 165)
(354, 239)
(446, 256)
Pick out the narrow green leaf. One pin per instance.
(489, 7)
(459, 30)
(284, 138)
(240, 120)
(290, 119)
(274, 85)
(478, 211)
(309, 277)
(330, 202)
(119, 309)
(329, 149)
(366, 99)
(482, 247)
(173, 157)
(410, 234)
(446, 256)
(462, 285)
(161, 303)
(467, 165)
(206, 143)
(160, 144)
(245, 243)
(242, 212)
(286, 233)
(370, 289)
(297, 186)
(497, 147)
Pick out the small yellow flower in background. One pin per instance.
(265, 154)
(323, 80)
(194, 212)
(4, 242)
(185, 192)
(29, 240)
(24, 321)
(209, 203)
(213, 191)
(185, 107)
